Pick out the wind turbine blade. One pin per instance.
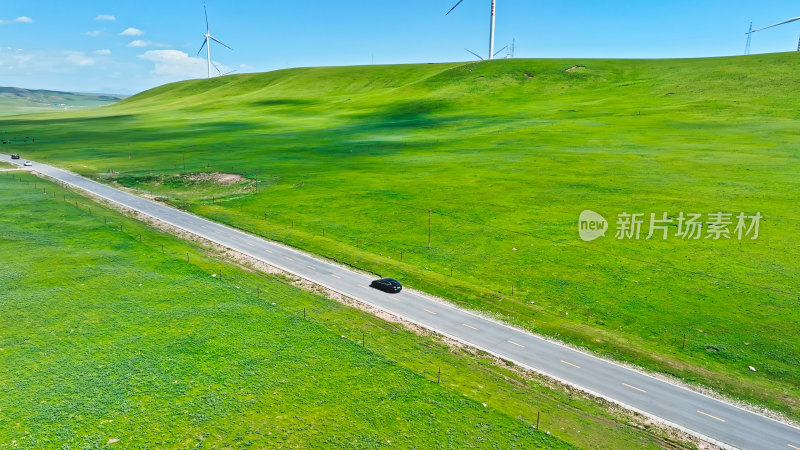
(454, 7)
(234, 70)
(218, 41)
(498, 52)
(205, 11)
(215, 66)
(202, 46)
(476, 55)
(779, 23)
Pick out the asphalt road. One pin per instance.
(710, 419)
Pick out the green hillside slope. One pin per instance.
(505, 155)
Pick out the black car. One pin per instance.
(15, 156)
(389, 285)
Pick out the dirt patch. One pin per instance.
(225, 179)
(574, 68)
(528, 75)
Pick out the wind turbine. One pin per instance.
(491, 27)
(749, 38)
(781, 23)
(475, 54)
(207, 38)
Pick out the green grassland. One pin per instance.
(347, 162)
(108, 333)
(14, 101)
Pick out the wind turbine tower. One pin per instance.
(207, 38)
(491, 25)
(749, 37)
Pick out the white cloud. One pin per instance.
(132, 32)
(19, 61)
(102, 52)
(78, 59)
(94, 33)
(105, 18)
(141, 43)
(20, 19)
(11, 59)
(175, 63)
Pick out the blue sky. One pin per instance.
(83, 45)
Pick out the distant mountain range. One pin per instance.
(20, 101)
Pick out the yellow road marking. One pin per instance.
(796, 448)
(709, 415)
(336, 276)
(469, 326)
(570, 364)
(518, 345)
(363, 286)
(311, 267)
(633, 387)
(290, 259)
(268, 251)
(429, 311)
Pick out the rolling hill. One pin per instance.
(501, 157)
(21, 101)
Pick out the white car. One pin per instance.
(28, 163)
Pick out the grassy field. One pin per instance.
(348, 162)
(104, 336)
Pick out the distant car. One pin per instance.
(28, 163)
(14, 156)
(389, 285)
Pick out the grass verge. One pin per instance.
(110, 335)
